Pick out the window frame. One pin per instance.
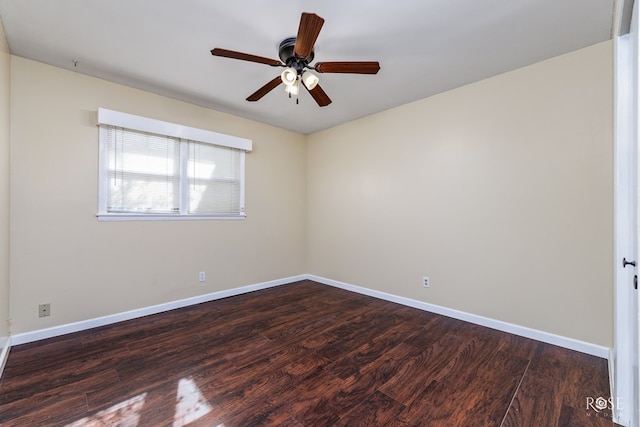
(184, 134)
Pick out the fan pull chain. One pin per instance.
(297, 99)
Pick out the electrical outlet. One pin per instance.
(203, 276)
(425, 282)
(44, 310)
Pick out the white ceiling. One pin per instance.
(424, 46)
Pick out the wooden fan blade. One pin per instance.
(245, 57)
(319, 95)
(308, 31)
(255, 96)
(354, 67)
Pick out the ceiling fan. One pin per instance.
(296, 54)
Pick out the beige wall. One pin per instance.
(5, 107)
(61, 254)
(500, 192)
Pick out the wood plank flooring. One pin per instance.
(303, 354)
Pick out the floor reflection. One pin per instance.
(191, 404)
(124, 414)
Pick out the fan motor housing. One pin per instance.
(288, 56)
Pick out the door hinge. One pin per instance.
(635, 282)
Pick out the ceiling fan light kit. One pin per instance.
(310, 80)
(293, 89)
(289, 76)
(296, 54)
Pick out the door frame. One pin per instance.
(624, 355)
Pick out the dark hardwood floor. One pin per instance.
(303, 354)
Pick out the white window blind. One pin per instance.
(150, 175)
(144, 172)
(214, 179)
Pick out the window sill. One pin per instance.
(164, 217)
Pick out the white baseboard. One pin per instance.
(570, 343)
(5, 346)
(55, 331)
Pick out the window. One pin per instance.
(157, 170)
